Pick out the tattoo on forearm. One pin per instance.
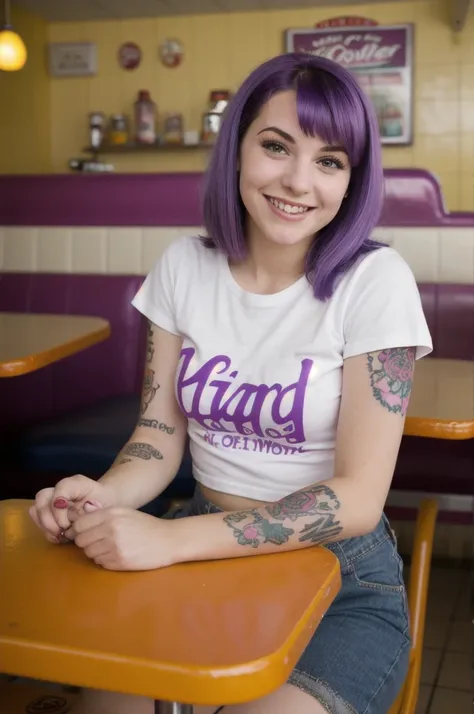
(142, 451)
(314, 508)
(319, 501)
(391, 377)
(119, 461)
(155, 424)
(250, 528)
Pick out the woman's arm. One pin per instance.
(150, 459)
(375, 394)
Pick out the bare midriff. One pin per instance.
(227, 501)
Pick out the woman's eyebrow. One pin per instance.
(284, 135)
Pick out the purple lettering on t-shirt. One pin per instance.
(241, 404)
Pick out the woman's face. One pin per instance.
(292, 185)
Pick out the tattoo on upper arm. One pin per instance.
(155, 424)
(150, 385)
(150, 350)
(313, 508)
(150, 388)
(142, 451)
(391, 377)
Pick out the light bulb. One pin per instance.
(12, 51)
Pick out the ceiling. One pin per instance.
(83, 10)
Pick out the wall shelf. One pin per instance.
(143, 148)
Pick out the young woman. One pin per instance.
(284, 345)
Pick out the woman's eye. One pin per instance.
(274, 147)
(331, 163)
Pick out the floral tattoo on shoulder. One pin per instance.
(391, 377)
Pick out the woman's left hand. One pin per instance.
(125, 539)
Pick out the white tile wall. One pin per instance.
(20, 249)
(420, 248)
(434, 255)
(85, 250)
(53, 251)
(89, 250)
(456, 256)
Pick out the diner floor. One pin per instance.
(447, 674)
(446, 686)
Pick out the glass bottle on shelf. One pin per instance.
(145, 118)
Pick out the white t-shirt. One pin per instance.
(259, 377)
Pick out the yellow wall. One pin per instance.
(220, 50)
(25, 126)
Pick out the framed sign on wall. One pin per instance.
(382, 59)
(72, 59)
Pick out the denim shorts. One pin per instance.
(357, 659)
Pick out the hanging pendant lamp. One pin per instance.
(12, 48)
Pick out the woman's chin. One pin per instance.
(287, 239)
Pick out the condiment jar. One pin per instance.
(118, 132)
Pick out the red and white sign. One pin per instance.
(346, 21)
(129, 56)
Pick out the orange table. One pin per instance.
(31, 341)
(226, 631)
(442, 401)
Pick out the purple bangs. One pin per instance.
(331, 105)
(331, 115)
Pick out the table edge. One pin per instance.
(19, 367)
(439, 428)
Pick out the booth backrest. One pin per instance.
(110, 368)
(115, 367)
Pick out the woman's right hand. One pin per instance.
(56, 508)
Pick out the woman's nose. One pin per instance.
(298, 178)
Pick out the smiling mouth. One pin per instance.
(289, 207)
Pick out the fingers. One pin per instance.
(97, 549)
(34, 516)
(76, 511)
(89, 507)
(42, 514)
(86, 537)
(56, 508)
(68, 491)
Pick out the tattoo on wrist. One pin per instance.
(142, 451)
(391, 377)
(314, 509)
(155, 424)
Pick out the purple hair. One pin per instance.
(331, 105)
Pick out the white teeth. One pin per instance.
(287, 208)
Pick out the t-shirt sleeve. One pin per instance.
(156, 297)
(383, 307)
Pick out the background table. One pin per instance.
(30, 341)
(442, 401)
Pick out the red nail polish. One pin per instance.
(60, 503)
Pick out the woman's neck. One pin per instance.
(268, 267)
